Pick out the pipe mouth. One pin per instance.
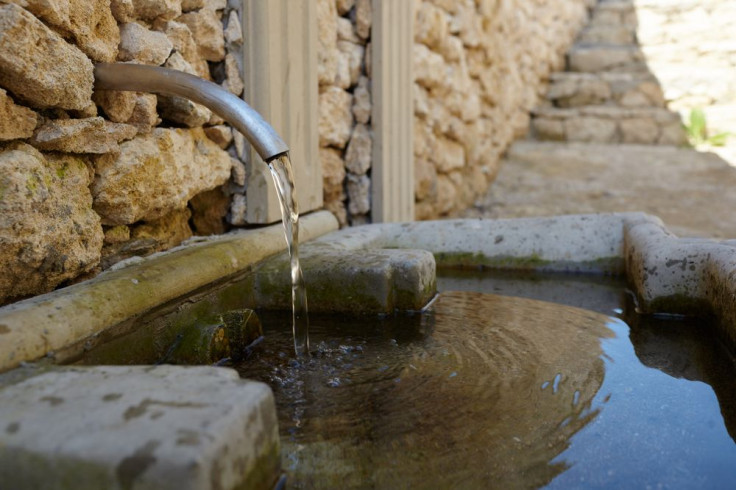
(165, 81)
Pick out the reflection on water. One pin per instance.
(487, 391)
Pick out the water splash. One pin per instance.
(283, 178)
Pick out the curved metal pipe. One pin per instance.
(164, 81)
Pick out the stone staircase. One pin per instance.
(607, 94)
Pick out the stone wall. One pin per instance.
(690, 47)
(480, 67)
(89, 178)
(345, 107)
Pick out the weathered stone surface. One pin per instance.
(233, 31)
(183, 41)
(207, 31)
(429, 67)
(38, 66)
(238, 210)
(15, 121)
(333, 175)
(639, 130)
(337, 208)
(220, 134)
(156, 9)
(117, 106)
(116, 234)
(157, 173)
(142, 45)
(140, 426)
(431, 26)
(446, 195)
(48, 231)
(359, 194)
(327, 52)
(166, 232)
(359, 154)
(335, 117)
(91, 135)
(122, 10)
(346, 31)
(548, 129)
(90, 24)
(209, 209)
(363, 17)
(354, 54)
(590, 129)
(144, 115)
(596, 59)
(189, 5)
(450, 155)
(233, 81)
(362, 101)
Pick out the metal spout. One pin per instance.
(164, 81)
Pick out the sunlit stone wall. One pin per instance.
(90, 178)
(479, 66)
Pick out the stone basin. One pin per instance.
(373, 269)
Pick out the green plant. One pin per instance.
(697, 131)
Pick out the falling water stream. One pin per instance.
(283, 178)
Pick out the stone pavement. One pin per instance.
(693, 192)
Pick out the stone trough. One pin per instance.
(164, 426)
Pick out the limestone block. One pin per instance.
(144, 115)
(337, 208)
(156, 173)
(548, 129)
(122, 10)
(164, 233)
(672, 134)
(634, 98)
(344, 6)
(327, 52)
(590, 129)
(142, 45)
(639, 130)
(346, 31)
(342, 74)
(117, 106)
(156, 9)
(429, 67)
(363, 13)
(90, 24)
(425, 183)
(91, 135)
(220, 134)
(207, 31)
(354, 53)
(362, 101)
(116, 234)
(48, 231)
(333, 175)
(38, 66)
(450, 155)
(430, 26)
(359, 194)
(335, 117)
(238, 213)
(209, 209)
(16, 122)
(163, 427)
(183, 41)
(359, 156)
(234, 30)
(238, 172)
(189, 5)
(368, 60)
(453, 50)
(421, 100)
(595, 59)
(446, 195)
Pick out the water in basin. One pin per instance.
(491, 391)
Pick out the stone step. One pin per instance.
(609, 34)
(569, 89)
(608, 124)
(614, 13)
(594, 58)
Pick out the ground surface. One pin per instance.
(693, 192)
